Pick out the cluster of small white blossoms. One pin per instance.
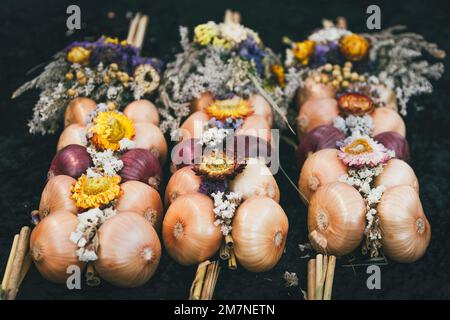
(362, 180)
(362, 125)
(213, 137)
(225, 206)
(85, 234)
(330, 34)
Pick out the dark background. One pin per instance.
(31, 31)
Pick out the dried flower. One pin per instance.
(354, 47)
(360, 151)
(303, 51)
(95, 192)
(109, 128)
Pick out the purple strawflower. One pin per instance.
(212, 186)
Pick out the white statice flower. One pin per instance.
(233, 32)
(92, 172)
(354, 125)
(112, 92)
(106, 160)
(86, 255)
(331, 34)
(225, 206)
(213, 137)
(126, 144)
(375, 195)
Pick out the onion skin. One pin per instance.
(150, 137)
(56, 196)
(394, 141)
(140, 198)
(322, 137)
(257, 126)
(72, 160)
(129, 251)
(385, 119)
(336, 219)
(319, 169)
(141, 165)
(192, 127)
(314, 113)
(243, 146)
(202, 102)
(189, 233)
(260, 229)
(256, 180)
(78, 111)
(182, 182)
(404, 226)
(51, 248)
(142, 111)
(186, 153)
(73, 134)
(261, 107)
(312, 90)
(396, 173)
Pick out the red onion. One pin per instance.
(72, 160)
(141, 165)
(394, 141)
(317, 139)
(186, 153)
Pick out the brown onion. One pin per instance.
(192, 127)
(142, 111)
(189, 233)
(73, 134)
(396, 173)
(242, 147)
(150, 137)
(405, 229)
(314, 113)
(51, 248)
(143, 199)
(141, 165)
(336, 219)
(394, 141)
(311, 90)
(129, 250)
(183, 181)
(260, 228)
(257, 126)
(385, 119)
(261, 107)
(56, 196)
(78, 111)
(72, 160)
(319, 169)
(202, 102)
(321, 137)
(186, 153)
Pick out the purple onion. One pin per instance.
(317, 139)
(141, 165)
(394, 141)
(186, 153)
(72, 160)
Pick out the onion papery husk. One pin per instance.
(182, 182)
(72, 160)
(394, 141)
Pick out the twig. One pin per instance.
(329, 278)
(224, 253)
(197, 284)
(319, 276)
(9, 264)
(132, 29)
(311, 279)
(13, 283)
(232, 264)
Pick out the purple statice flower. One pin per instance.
(212, 186)
(250, 50)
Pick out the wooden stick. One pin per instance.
(319, 286)
(215, 280)
(92, 279)
(232, 264)
(211, 277)
(324, 268)
(12, 254)
(13, 283)
(229, 241)
(329, 278)
(197, 284)
(140, 32)
(132, 29)
(224, 252)
(311, 279)
(25, 267)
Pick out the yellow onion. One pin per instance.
(314, 113)
(78, 111)
(141, 165)
(202, 102)
(247, 146)
(150, 137)
(405, 229)
(143, 199)
(257, 126)
(129, 250)
(336, 219)
(192, 127)
(312, 90)
(189, 233)
(261, 107)
(72, 160)
(183, 181)
(51, 248)
(56, 196)
(319, 169)
(321, 137)
(259, 231)
(396, 173)
(385, 119)
(396, 142)
(186, 153)
(256, 180)
(142, 111)
(73, 134)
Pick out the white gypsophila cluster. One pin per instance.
(354, 125)
(362, 179)
(225, 206)
(233, 32)
(330, 34)
(84, 235)
(213, 137)
(126, 144)
(106, 160)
